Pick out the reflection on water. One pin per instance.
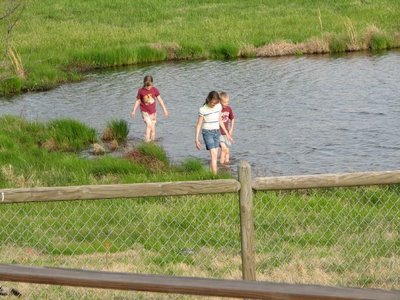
(294, 115)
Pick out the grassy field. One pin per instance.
(56, 40)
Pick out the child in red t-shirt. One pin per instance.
(146, 99)
(229, 120)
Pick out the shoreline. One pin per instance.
(374, 40)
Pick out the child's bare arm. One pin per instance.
(161, 101)
(222, 125)
(135, 107)
(197, 132)
(232, 125)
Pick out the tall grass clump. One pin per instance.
(226, 51)
(68, 135)
(116, 130)
(338, 43)
(189, 52)
(153, 151)
(376, 39)
(192, 165)
(11, 86)
(380, 41)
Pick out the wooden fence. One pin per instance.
(187, 285)
(244, 185)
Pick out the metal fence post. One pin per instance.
(246, 221)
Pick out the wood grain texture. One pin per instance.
(186, 285)
(326, 180)
(247, 222)
(119, 190)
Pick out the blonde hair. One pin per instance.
(223, 95)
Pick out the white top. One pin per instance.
(211, 116)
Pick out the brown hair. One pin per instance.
(148, 80)
(213, 95)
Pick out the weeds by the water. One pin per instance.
(116, 130)
(153, 151)
(37, 154)
(68, 135)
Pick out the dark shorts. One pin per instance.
(211, 138)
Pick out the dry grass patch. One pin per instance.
(107, 135)
(277, 49)
(314, 46)
(247, 51)
(19, 180)
(170, 48)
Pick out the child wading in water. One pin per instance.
(229, 120)
(210, 121)
(146, 98)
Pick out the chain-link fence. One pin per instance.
(183, 236)
(334, 236)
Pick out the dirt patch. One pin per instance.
(151, 163)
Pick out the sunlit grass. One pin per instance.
(57, 40)
(38, 154)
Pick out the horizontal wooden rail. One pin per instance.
(119, 190)
(326, 180)
(186, 285)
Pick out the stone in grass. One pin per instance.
(98, 149)
(9, 292)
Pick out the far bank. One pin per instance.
(53, 42)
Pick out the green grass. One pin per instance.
(119, 130)
(57, 40)
(38, 154)
(153, 151)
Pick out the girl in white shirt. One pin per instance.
(210, 121)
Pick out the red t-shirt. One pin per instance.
(148, 99)
(226, 114)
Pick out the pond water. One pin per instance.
(294, 115)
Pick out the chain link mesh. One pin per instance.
(183, 236)
(336, 236)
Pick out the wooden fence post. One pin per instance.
(246, 221)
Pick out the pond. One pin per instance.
(294, 115)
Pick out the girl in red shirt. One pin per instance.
(146, 99)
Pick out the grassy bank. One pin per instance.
(57, 40)
(37, 154)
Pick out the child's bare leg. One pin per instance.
(153, 132)
(148, 132)
(214, 159)
(227, 155)
(222, 159)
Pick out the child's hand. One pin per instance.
(198, 144)
(166, 114)
(132, 115)
(229, 137)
